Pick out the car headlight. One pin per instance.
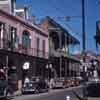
(30, 85)
(24, 85)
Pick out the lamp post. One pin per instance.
(83, 30)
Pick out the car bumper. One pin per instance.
(58, 86)
(28, 90)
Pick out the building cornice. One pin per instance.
(24, 22)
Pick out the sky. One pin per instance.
(62, 8)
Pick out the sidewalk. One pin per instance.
(94, 98)
(17, 93)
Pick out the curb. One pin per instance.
(17, 93)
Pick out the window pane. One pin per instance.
(43, 47)
(38, 43)
(26, 40)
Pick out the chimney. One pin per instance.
(31, 19)
(8, 5)
(26, 12)
(12, 6)
(22, 12)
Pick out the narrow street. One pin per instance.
(58, 94)
(47, 44)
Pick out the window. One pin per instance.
(12, 37)
(26, 40)
(3, 42)
(2, 26)
(43, 46)
(38, 44)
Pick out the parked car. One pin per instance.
(42, 86)
(71, 81)
(93, 88)
(35, 87)
(67, 83)
(75, 81)
(79, 79)
(58, 83)
(28, 87)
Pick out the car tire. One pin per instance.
(64, 87)
(23, 92)
(36, 91)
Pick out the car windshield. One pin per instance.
(30, 84)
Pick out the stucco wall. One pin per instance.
(22, 27)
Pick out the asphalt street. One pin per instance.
(58, 94)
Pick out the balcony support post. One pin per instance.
(60, 46)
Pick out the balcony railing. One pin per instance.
(4, 44)
(32, 52)
(59, 53)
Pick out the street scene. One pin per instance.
(49, 50)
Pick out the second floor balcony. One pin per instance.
(19, 48)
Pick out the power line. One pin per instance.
(67, 18)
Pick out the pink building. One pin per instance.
(22, 43)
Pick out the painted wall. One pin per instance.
(9, 21)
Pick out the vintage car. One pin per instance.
(58, 83)
(34, 86)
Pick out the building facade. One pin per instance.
(22, 43)
(27, 49)
(60, 40)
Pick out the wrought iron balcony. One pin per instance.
(4, 44)
(61, 53)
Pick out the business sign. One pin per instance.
(26, 65)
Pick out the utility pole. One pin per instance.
(83, 30)
(84, 47)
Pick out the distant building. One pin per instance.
(60, 41)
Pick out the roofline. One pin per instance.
(41, 32)
(64, 30)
